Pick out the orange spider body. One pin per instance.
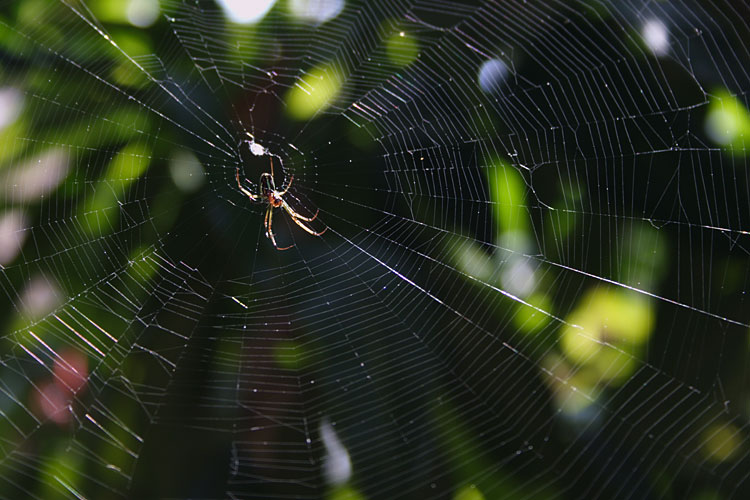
(275, 199)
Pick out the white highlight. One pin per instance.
(245, 11)
(186, 171)
(656, 36)
(12, 235)
(35, 178)
(492, 74)
(518, 276)
(257, 149)
(337, 466)
(142, 13)
(316, 11)
(39, 298)
(11, 103)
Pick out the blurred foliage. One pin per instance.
(508, 195)
(721, 442)
(83, 135)
(728, 122)
(314, 92)
(126, 167)
(402, 48)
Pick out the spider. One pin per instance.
(275, 199)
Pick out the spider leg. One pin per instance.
(269, 230)
(271, 182)
(295, 215)
(244, 191)
(298, 220)
(306, 219)
(311, 231)
(267, 223)
(287, 186)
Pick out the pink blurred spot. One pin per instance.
(71, 370)
(53, 403)
(55, 395)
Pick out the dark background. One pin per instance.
(156, 345)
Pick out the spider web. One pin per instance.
(531, 282)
